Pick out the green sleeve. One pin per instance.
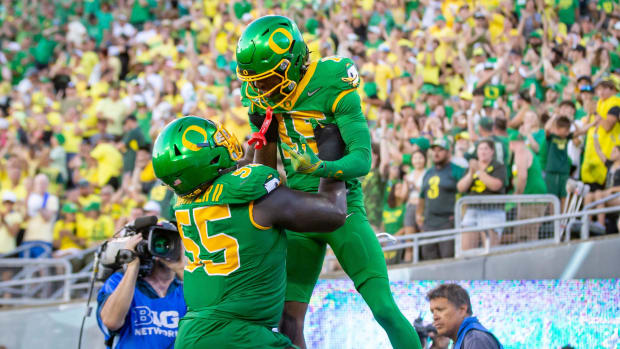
(356, 136)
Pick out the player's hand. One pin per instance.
(304, 160)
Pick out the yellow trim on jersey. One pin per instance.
(340, 96)
(218, 192)
(288, 105)
(251, 213)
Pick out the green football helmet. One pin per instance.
(271, 56)
(190, 152)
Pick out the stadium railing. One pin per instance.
(44, 280)
(585, 222)
(25, 250)
(414, 241)
(53, 280)
(497, 209)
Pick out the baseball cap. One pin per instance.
(440, 18)
(93, 206)
(69, 207)
(421, 142)
(9, 196)
(442, 143)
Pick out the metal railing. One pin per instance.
(25, 250)
(585, 222)
(480, 210)
(419, 239)
(44, 280)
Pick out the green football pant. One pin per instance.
(202, 333)
(360, 255)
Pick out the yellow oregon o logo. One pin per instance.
(245, 72)
(272, 44)
(189, 145)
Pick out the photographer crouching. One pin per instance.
(140, 307)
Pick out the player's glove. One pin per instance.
(331, 147)
(304, 160)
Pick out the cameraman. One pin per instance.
(452, 318)
(143, 311)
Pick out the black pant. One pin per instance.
(443, 249)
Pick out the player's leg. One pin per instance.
(358, 251)
(304, 259)
(202, 333)
(376, 293)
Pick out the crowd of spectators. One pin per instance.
(516, 96)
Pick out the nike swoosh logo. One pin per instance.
(310, 93)
(350, 214)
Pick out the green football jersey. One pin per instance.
(327, 93)
(236, 267)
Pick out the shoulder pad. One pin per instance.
(246, 184)
(341, 68)
(241, 186)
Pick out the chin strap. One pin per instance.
(259, 137)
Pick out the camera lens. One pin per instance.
(161, 245)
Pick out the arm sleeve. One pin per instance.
(356, 136)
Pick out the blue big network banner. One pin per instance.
(522, 314)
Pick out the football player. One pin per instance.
(287, 98)
(230, 219)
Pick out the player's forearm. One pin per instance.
(357, 162)
(115, 308)
(335, 192)
(267, 155)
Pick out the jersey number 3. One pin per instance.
(209, 244)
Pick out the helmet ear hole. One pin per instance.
(177, 152)
(215, 160)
